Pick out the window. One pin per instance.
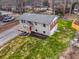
(36, 30)
(23, 21)
(44, 25)
(24, 26)
(35, 23)
(44, 32)
(29, 22)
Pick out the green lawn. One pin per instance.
(31, 47)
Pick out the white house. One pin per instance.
(38, 23)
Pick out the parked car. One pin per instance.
(8, 18)
(75, 11)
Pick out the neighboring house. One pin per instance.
(38, 23)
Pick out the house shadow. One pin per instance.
(33, 34)
(38, 35)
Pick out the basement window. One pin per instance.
(44, 25)
(44, 32)
(23, 21)
(36, 30)
(35, 23)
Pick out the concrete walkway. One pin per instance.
(9, 34)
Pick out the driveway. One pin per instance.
(9, 34)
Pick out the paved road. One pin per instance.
(9, 34)
(2, 23)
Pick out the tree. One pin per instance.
(29, 1)
(45, 3)
(20, 6)
(59, 12)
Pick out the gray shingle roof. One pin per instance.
(45, 19)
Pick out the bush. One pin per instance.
(59, 12)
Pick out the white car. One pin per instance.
(8, 18)
(75, 11)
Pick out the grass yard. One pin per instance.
(31, 47)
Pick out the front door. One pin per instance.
(30, 29)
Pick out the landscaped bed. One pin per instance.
(32, 47)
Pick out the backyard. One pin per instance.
(32, 47)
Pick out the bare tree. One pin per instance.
(53, 6)
(65, 5)
(20, 6)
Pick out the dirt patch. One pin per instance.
(71, 17)
(70, 53)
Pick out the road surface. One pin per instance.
(9, 34)
(2, 23)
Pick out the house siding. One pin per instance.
(53, 30)
(40, 28)
(22, 27)
(37, 26)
